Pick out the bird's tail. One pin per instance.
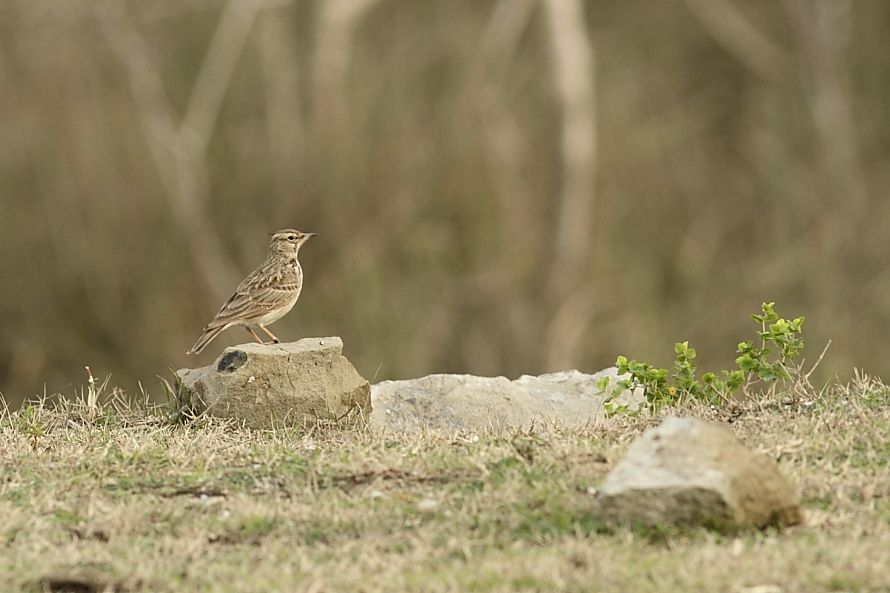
(206, 337)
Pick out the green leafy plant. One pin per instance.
(767, 359)
(31, 422)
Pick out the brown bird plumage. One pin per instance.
(266, 295)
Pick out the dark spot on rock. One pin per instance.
(73, 584)
(231, 360)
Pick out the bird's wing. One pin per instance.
(262, 291)
(246, 306)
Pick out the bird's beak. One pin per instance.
(309, 235)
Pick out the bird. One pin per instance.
(266, 295)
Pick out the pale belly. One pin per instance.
(273, 316)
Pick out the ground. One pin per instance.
(115, 497)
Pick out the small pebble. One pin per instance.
(427, 504)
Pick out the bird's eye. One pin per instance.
(291, 237)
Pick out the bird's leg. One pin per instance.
(255, 337)
(275, 339)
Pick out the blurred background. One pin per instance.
(499, 186)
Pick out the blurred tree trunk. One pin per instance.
(825, 27)
(573, 68)
(179, 151)
(337, 23)
(285, 128)
(508, 157)
(741, 39)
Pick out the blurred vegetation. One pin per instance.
(500, 186)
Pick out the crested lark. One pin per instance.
(266, 295)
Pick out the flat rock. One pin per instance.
(692, 472)
(470, 403)
(274, 385)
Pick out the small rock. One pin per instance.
(761, 589)
(691, 472)
(276, 385)
(469, 403)
(427, 505)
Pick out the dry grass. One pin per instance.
(115, 498)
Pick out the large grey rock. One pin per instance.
(470, 403)
(275, 385)
(692, 472)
